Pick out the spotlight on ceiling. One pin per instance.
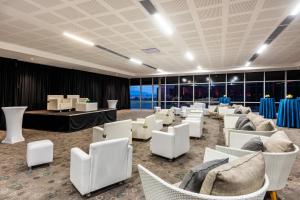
(79, 39)
(136, 61)
(199, 67)
(159, 70)
(262, 48)
(163, 24)
(296, 10)
(248, 64)
(188, 55)
(184, 80)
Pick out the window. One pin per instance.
(186, 92)
(218, 77)
(293, 88)
(170, 104)
(293, 75)
(275, 90)
(201, 92)
(255, 76)
(134, 97)
(201, 78)
(146, 96)
(172, 80)
(236, 92)
(235, 77)
(186, 79)
(254, 106)
(217, 90)
(274, 76)
(172, 92)
(254, 91)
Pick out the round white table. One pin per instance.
(112, 103)
(14, 119)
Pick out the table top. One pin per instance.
(14, 107)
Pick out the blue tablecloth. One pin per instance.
(289, 113)
(225, 100)
(267, 108)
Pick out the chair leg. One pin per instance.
(273, 195)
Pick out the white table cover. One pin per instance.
(14, 120)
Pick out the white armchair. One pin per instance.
(195, 126)
(171, 144)
(157, 189)
(142, 128)
(229, 127)
(223, 110)
(176, 110)
(113, 130)
(278, 165)
(108, 162)
(198, 105)
(74, 100)
(58, 103)
(166, 115)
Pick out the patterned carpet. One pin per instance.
(52, 182)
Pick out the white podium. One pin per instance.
(14, 119)
(112, 103)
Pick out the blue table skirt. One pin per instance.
(267, 108)
(289, 113)
(225, 100)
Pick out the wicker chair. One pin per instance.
(157, 189)
(278, 165)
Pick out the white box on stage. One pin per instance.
(89, 106)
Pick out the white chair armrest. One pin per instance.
(129, 167)
(212, 154)
(98, 134)
(80, 166)
(237, 140)
(233, 151)
(140, 120)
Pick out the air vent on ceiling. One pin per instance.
(148, 6)
(151, 50)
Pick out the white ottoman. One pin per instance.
(39, 152)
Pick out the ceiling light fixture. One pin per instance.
(189, 56)
(164, 26)
(134, 60)
(248, 64)
(159, 70)
(262, 49)
(199, 67)
(296, 10)
(79, 39)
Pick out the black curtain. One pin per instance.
(28, 84)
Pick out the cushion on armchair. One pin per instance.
(194, 178)
(238, 177)
(241, 122)
(254, 144)
(249, 126)
(266, 125)
(279, 142)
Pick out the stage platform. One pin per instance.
(67, 121)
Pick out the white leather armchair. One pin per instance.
(171, 144)
(229, 127)
(157, 189)
(198, 105)
(278, 165)
(108, 162)
(58, 103)
(74, 100)
(176, 110)
(166, 115)
(142, 128)
(113, 130)
(195, 126)
(223, 110)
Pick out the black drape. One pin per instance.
(23, 83)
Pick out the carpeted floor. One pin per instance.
(52, 182)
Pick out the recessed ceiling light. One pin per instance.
(159, 70)
(247, 64)
(262, 48)
(199, 67)
(296, 10)
(162, 23)
(79, 39)
(188, 55)
(134, 60)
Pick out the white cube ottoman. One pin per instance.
(39, 152)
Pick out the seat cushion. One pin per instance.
(254, 144)
(266, 125)
(241, 122)
(249, 126)
(241, 176)
(278, 142)
(194, 178)
(245, 110)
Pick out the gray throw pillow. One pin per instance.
(249, 126)
(237, 111)
(241, 122)
(193, 180)
(255, 144)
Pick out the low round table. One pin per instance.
(14, 119)
(267, 108)
(289, 113)
(224, 100)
